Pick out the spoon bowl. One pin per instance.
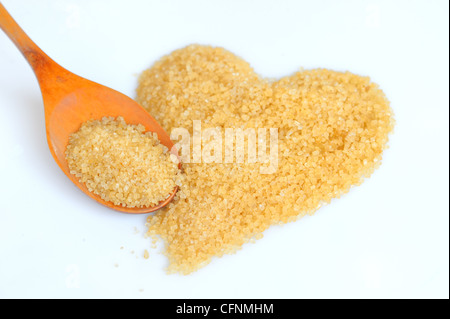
(70, 100)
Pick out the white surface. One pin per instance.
(388, 238)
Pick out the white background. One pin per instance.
(388, 238)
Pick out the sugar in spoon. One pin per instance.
(70, 100)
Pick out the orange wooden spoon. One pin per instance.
(70, 100)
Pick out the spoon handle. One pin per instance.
(39, 61)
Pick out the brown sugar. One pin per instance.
(122, 163)
(332, 130)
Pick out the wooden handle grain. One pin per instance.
(34, 55)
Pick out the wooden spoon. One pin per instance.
(70, 100)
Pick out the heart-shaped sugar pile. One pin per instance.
(332, 130)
